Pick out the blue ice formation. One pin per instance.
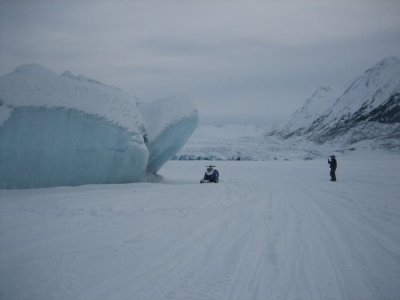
(65, 130)
(166, 130)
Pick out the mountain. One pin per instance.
(363, 117)
(368, 111)
(301, 119)
(245, 142)
(70, 130)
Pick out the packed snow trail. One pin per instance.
(268, 230)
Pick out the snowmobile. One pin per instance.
(211, 175)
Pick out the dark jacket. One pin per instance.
(332, 163)
(213, 177)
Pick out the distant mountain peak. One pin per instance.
(385, 65)
(322, 89)
(368, 109)
(67, 74)
(388, 61)
(318, 103)
(318, 96)
(33, 69)
(371, 89)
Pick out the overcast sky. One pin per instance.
(238, 61)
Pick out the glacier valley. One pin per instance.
(274, 227)
(365, 117)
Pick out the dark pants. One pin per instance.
(333, 175)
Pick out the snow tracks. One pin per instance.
(263, 232)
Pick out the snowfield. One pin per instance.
(268, 230)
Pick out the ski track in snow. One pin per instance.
(268, 230)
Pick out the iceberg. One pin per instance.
(166, 128)
(70, 130)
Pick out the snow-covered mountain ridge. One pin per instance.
(301, 119)
(365, 117)
(245, 142)
(369, 109)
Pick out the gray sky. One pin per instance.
(238, 61)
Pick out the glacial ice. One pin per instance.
(69, 130)
(50, 146)
(166, 129)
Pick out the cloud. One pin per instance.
(238, 60)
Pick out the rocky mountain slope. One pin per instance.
(368, 110)
(301, 119)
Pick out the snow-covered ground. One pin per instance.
(268, 230)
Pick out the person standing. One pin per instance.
(333, 165)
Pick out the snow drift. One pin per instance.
(70, 130)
